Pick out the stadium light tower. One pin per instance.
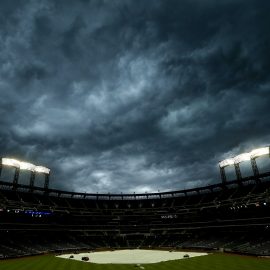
(222, 165)
(237, 160)
(46, 172)
(29, 167)
(14, 164)
(251, 156)
(20, 165)
(255, 154)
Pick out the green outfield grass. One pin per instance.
(210, 262)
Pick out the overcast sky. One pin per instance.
(133, 96)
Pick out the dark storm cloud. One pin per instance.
(133, 96)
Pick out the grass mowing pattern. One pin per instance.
(210, 262)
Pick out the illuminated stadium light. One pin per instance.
(27, 166)
(242, 157)
(245, 157)
(11, 162)
(41, 169)
(24, 165)
(259, 152)
(226, 162)
(21, 165)
(251, 156)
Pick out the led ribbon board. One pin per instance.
(24, 165)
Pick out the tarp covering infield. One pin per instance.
(131, 256)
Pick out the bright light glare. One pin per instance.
(24, 165)
(241, 158)
(245, 157)
(27, 166)
(41, 169)
(226, 162)
(259, 152)
(11, 162)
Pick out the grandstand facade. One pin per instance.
(232, 216)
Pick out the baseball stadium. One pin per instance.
(211, 227)
(134, 135)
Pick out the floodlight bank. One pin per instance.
(24, 165)
(245, 157)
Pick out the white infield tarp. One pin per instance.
(127, 256)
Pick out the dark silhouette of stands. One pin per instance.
(227, 217)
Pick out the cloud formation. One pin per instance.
(133, 96)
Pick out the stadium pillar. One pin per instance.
(254, 167)
(238, 172)
(47, 180)
(32, 179)
(255, 170)
(16, 177)
(222, 174)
